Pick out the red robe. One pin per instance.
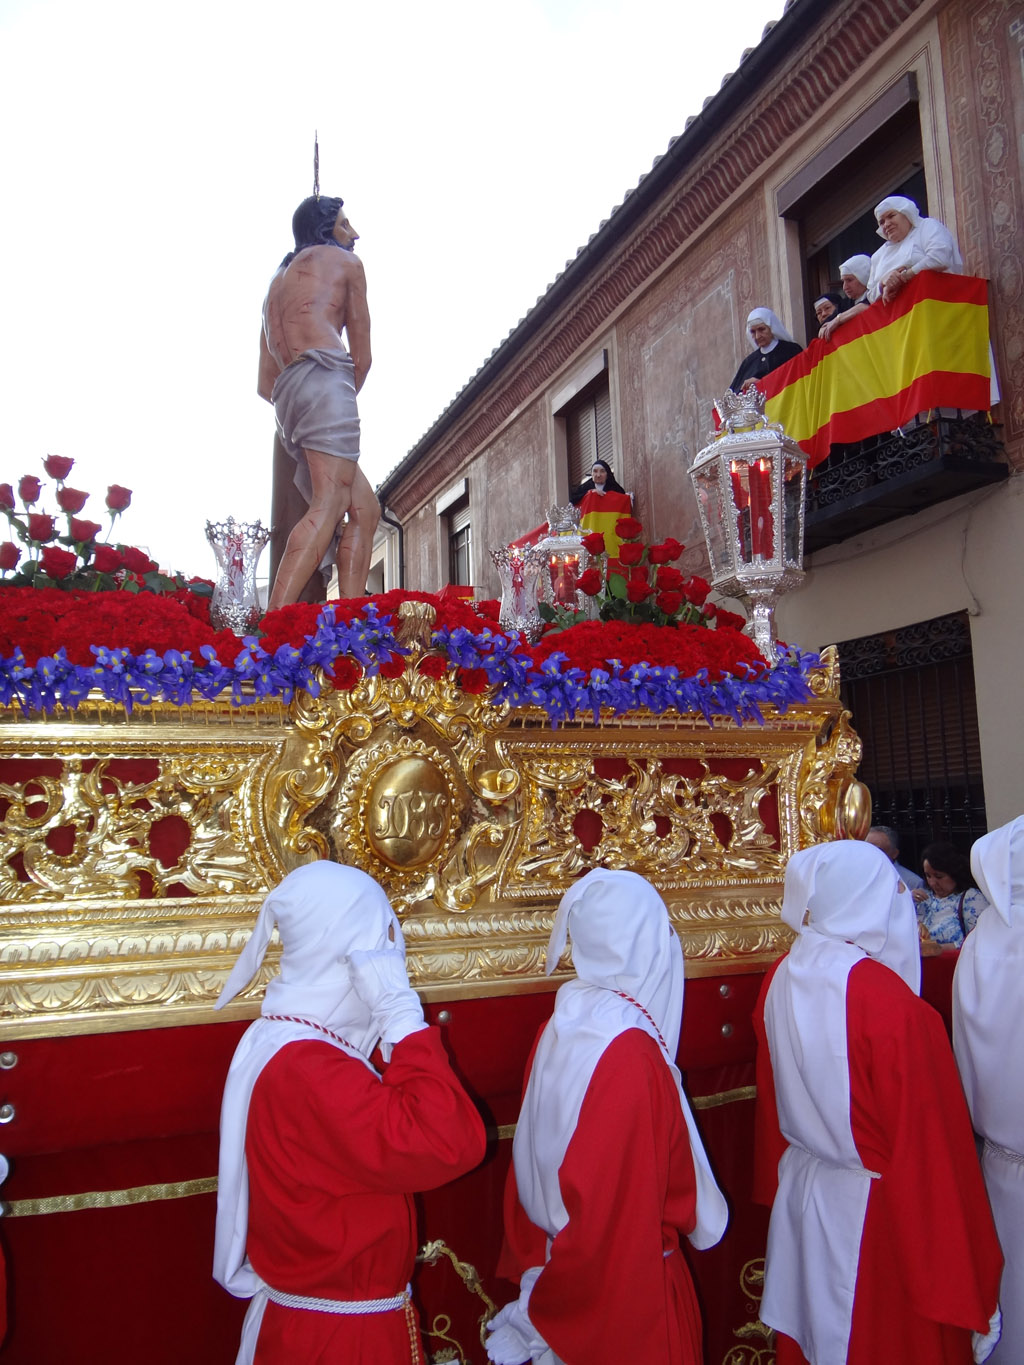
(335, 1154)
(929, 1258)
(609, 1293)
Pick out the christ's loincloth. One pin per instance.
(315, 403)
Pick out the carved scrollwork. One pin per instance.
(134, 853)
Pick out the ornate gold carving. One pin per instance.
(475, 820)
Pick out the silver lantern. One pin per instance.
(750, 484)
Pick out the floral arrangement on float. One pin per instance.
(75, 621)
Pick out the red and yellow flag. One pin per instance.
(927, 349)
(600, 512)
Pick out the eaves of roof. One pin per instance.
(759, 64)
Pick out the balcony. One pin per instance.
(894, 474)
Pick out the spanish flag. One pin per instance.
(600, 512)
(927, 349)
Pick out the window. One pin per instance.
(583, 413)
(588, 430)
(911, 694)
(832, 198)
(459, 544)
(456, 546)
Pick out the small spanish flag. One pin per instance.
(927, 349)
(600, 512)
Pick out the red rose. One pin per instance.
(669, 579)
(106, 559)
(638, 591)
(669, 602)
(593, 542)
(630, 554)
(118, 498)
(71, 499)
(58, 467)
(628, 528)
(667, 550)
(28, 489)
(41, 527)
(58, 563)
(589, 582)
(9, 555)
(135, 561)
(696, 590)
(6, 495)
(639, 574)
(82, 530)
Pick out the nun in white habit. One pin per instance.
(609, 1170)
(912, 243)
(988, 1039)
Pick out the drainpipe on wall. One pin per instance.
(386, 516)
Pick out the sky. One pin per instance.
(152, 156)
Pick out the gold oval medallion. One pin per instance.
(408, 812)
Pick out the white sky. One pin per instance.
(151, 158)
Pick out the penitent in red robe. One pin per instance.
(929, 1258)
(609, 1293)
(335, 1154)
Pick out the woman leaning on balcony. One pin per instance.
(911, 244)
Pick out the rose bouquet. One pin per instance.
(61, 549)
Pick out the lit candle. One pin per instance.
(762, 531)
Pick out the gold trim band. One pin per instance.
(184, 1189)
(109, 1199)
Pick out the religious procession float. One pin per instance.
(167, 754)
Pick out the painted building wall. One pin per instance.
(669, 310)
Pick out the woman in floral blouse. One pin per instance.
(949, 903)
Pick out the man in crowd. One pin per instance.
(886, 838)
(318, 292)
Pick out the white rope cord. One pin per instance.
(347, 1306)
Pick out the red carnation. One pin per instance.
(6, 496)
(28, 489)
(593, 542)
(106, 559)
(58, 466)
(41, 527)
(729, 620)
(83, 531)
(118, 498)
(58, 563)
(473, 680)
(71, 499)
(627, 528)
(589, 582)
(344, 673)
(9, 555)
(638, 591)
(668, 549)
(433, 666)
(669, 602)
(696, 590)
(669, 579)
(630, 554)
(135, 561)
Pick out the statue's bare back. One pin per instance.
(310, 301)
